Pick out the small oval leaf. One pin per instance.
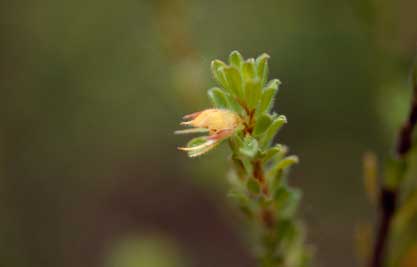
(262, 124)
(253, 186)
(272, 131)
(234, 81)
(249, 70)
(218, 98)
(217, 69)
(267, 98)
(262, 68)
(236, 59)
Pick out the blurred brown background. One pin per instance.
(91, 92)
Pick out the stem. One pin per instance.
(389, 196)
(388, 202)
(258, 174)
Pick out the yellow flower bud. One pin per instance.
(220, 124)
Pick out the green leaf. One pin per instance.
(243, 200)
(276, 180)
(280, 166)
(267, 98)
(275, 177)
(234, 81)
(249, 147)
(262, 124)
(253, 186)
(253, 92)
(247, 165)
(239, 167)
(249, 70)
(287, 162)
(262, 68)
(286, 228)
(217, 69)
(273, 151)
(234, 105)
(218, 98)
(236, 59)
(196, 141)
(281, 196)
(272, 131)
(286, 201)
(199, 151)
(235, 142)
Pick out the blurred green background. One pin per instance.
(91, 92)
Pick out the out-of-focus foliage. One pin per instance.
(143, 251)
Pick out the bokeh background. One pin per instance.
(91, 92)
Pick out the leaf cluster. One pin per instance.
(260, 168)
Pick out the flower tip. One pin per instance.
(191, 131)
(295, 159)
(265, 55)
(283, 118)
(192, 115)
